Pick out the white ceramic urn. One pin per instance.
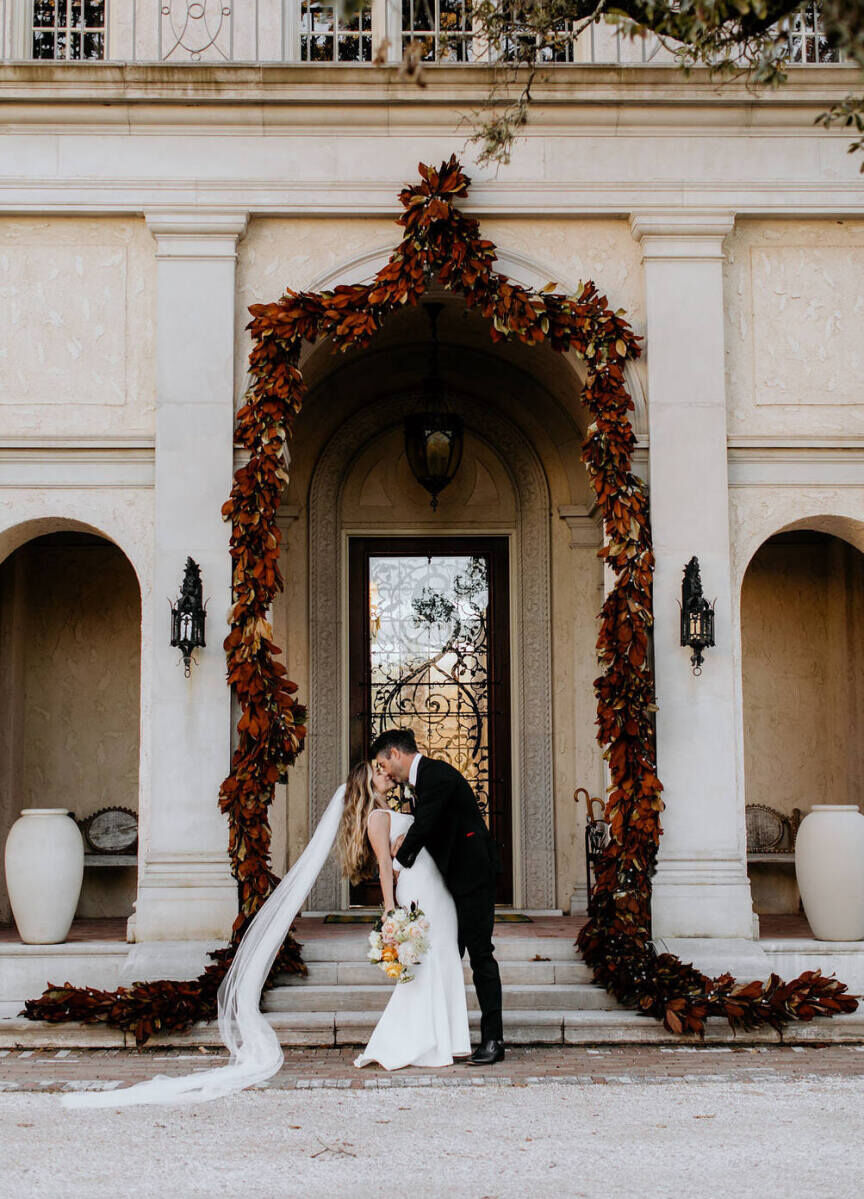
(44, 871)
(829, 863)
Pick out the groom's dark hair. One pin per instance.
(401, 739)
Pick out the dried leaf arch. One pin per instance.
(441, 242)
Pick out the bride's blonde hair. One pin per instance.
(355, 850)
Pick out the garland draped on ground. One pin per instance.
(440, 242)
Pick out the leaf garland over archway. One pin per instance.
(441, 243)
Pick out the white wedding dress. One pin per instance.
(425, 1022)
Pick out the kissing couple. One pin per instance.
(442, 858)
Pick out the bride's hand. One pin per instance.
(397, 844)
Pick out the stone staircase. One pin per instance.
(549, 998)
(544, 983)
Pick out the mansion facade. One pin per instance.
(169, 174)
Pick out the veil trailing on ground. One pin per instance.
(256, 1054)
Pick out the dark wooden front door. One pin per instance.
(430, 650)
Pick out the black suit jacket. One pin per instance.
(447, 822)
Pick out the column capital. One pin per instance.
(585, 524)
(195, 234)
(682, 235)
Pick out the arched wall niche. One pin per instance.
(70, 708)
(801, 622)
(20, 533)
(526, 518)
(756, 519)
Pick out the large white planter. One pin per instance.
(829, 863)
(44, 871)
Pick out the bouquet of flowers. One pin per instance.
(398, 942)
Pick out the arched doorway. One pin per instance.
(522, 480)
(70, 654)
(802, 620)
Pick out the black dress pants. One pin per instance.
(475, 913)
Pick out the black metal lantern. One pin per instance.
(188, 615)
(697, 615)
(434, 437)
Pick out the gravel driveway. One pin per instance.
(787, 1138)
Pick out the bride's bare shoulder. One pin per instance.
(379, 818)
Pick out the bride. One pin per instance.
(425, 1022)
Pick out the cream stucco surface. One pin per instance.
(76, 326)
(794, 308)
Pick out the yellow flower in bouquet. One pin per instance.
(399, 941)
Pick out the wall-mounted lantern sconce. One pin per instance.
(188, 615)
(697, 615)
(434, 437)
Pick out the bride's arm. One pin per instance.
(379, 836)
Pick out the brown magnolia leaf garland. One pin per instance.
(441, 242)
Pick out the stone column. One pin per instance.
(701, 887)
(186, 891)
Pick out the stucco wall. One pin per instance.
(77, 299)
(69, 707)
(794, 309)
(802, 616)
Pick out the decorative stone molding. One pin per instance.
(197, 235)
(682, 236)
(584, 524)
(288, 513)
(535, 839)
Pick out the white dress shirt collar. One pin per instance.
(412, 770)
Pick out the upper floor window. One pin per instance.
(807, 41)
(69, 29)
(443, 28)
(324, 38)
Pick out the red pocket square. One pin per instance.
(469, 834)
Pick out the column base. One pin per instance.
(744, 960)
(166, 959)
(702, 899)
(185, 898)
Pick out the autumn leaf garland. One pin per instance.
(441, 242)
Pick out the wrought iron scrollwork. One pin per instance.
(429, 657)
(196, 27)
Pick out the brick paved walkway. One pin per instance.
(103, 1069)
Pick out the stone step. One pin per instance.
(353, 973)
(331, 1028)
(517, 997)
(354, 947)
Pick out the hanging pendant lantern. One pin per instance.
(434, 437)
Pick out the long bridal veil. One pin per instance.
(255, 1051)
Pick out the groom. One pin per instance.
(448, 823)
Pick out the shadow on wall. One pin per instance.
(70, 659)
(802, 636)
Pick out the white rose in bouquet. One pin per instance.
(408, 954)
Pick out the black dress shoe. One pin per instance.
(487, 1054)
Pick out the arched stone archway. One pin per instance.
(532, 686)
(523, 270)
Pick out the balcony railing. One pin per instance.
(311, 31)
